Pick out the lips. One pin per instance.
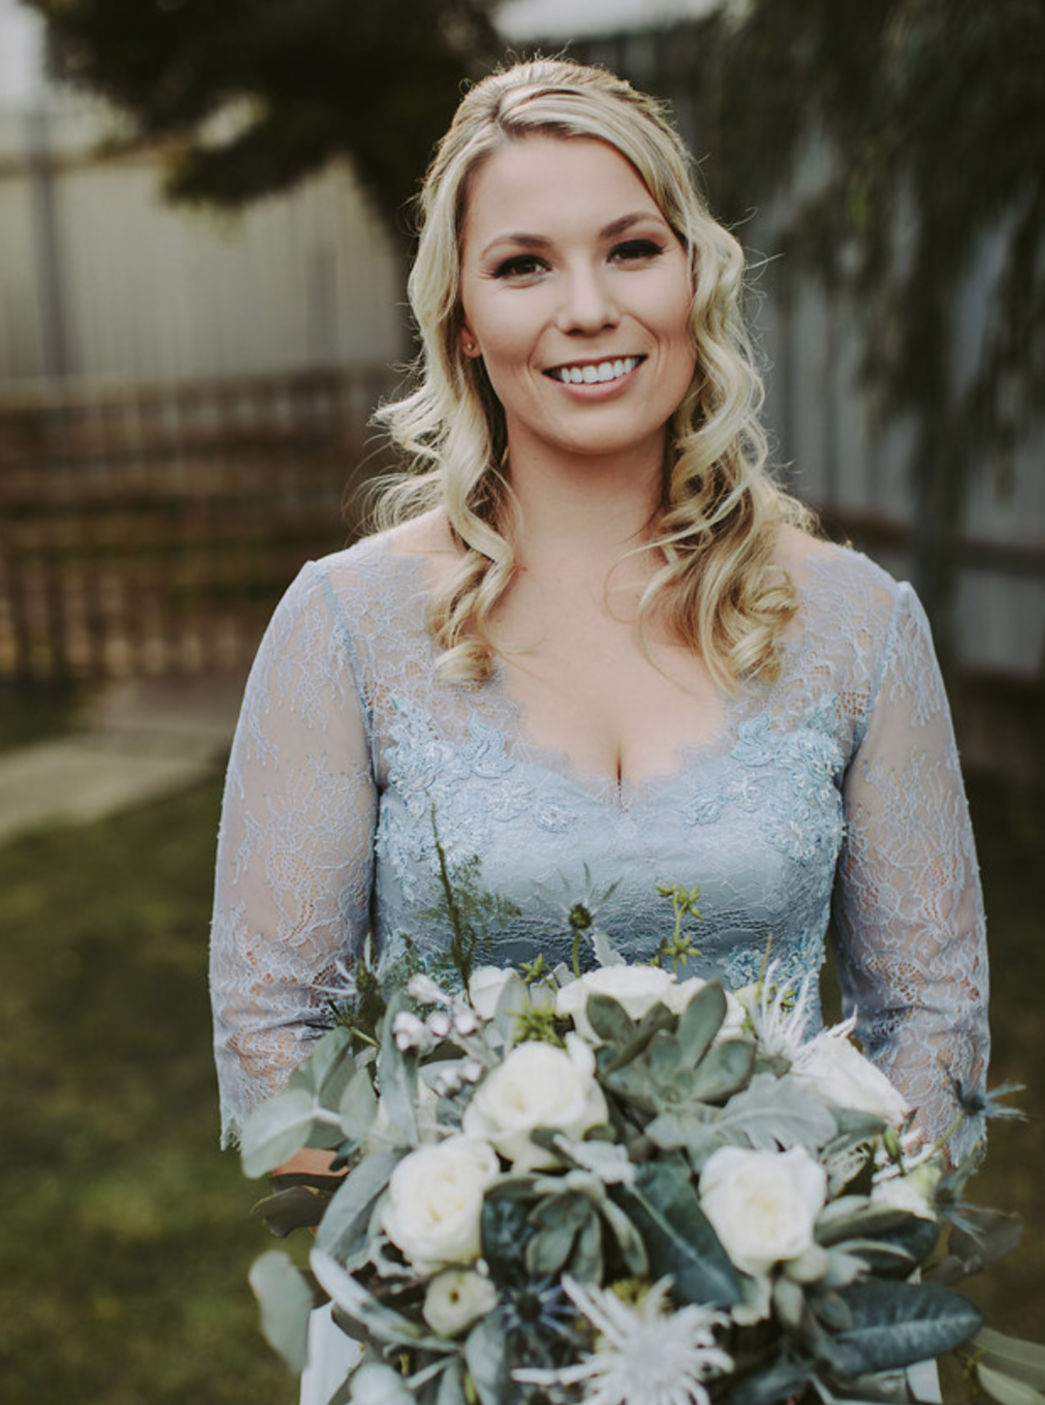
(594, 372)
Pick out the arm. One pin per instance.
(294, 851)
(908, 909)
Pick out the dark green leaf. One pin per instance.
(296, 1207)
(786, 1380)
(506, 1231)
(664, 1208)
(657, 1017)
(897, 1324)
(586, 1263)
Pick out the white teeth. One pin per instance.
(590, 375)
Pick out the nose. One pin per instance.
(587, 303)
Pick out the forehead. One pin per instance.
(545, 185)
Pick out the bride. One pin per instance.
(596, 640)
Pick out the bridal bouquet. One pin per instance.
(624, 1188)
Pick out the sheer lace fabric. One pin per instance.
(839, 786)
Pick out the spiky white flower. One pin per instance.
(644, 1355)
(779, 1015)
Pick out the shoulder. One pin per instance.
(839, 581)
(414, 552)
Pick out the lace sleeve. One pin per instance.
(908, 908)
(294, 850)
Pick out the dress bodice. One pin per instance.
(838, 784)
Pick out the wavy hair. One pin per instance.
(715, 586)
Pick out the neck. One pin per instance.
(588, 509)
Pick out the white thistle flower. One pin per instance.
(780, 1018)
(645, 1355)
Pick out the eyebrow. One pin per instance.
(609, 231)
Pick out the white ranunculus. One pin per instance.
(435, 1200)
(537, 1086)
(485, 986)
(456, 1298)
(763, 1205)
(636, 988)
(836, 1070)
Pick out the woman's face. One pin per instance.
(576, 293)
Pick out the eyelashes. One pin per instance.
(529, 267)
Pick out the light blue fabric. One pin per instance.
(840, 783)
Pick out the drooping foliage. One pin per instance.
(260, 93)
(912, 135)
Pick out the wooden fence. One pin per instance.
(149, 528)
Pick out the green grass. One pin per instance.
(124, 1245)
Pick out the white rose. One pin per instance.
(637, 988)
(763, 1205)
(836, 1070)
(435, 1200)
(485, 986)
(537, 1086)
(456, 1298)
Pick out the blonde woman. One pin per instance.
(596, 638)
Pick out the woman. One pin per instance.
(597, 643)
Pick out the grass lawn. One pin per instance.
(125, 1244)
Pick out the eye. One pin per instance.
(520, 267)
(636, 250)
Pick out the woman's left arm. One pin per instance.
(908, 908)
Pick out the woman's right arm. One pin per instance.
(295, 851)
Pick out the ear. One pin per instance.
(469, 345)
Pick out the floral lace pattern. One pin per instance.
(837, 789)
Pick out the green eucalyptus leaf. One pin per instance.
(278, 1129)
(285, 1301)
(725, 1070)
(897, 1324)
(699, 1022)
(485, 1352)
(1011, 1355)
(557, 1221)
(451, 1385)
(1007, 1390)
(397, 1075)
(664, 1208)
(347, 1216)
(327, 1069)
(358, 1106)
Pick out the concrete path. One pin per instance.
(138, 740)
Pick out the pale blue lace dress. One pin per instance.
(840, 784)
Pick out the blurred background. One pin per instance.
(204, 238)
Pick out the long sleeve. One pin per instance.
(294, 850)
(908, 909)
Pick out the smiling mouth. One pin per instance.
(595, 372)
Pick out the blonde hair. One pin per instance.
(719, 508)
